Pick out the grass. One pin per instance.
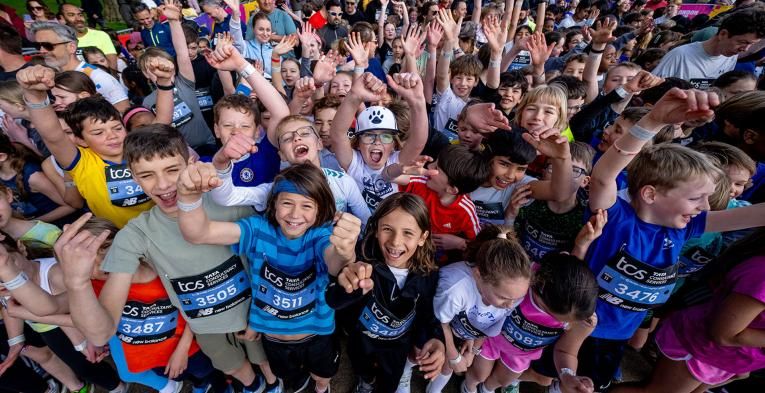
(20, 7)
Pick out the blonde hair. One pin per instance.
(10, 91)
(665, 165)
(546, 94)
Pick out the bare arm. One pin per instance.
(41, 184)
(541, 9)
(601, 36)
(476, 16)
(162, 73)
(734, 219)
(409, 87)
(730, 323)
(381, 23)
(172, 12)
(112, 60)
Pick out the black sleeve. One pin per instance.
(583, 123)
(427, 327)
(338, 299)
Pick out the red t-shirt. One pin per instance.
(317, 20)
(150, 326)
(459, 218)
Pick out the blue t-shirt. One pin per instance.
(288, 278)
(754, 193)
(35, 204)
(636, 266)
(255, 169)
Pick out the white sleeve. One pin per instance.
(449, 299)
(109, 87)
(669, 65)
(356, 203)
(235, 28)
(229, 195)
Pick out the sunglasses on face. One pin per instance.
(49, 46)
(336, 13)
(368, 139)
(37, 8)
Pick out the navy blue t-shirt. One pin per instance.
(35, 204)
(635, 264)
(255, 169)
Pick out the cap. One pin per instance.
(376, 118)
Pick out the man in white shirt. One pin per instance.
(703, 62)
(584, 10)
(58, 45)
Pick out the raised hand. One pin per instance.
(413, 40)
(224, 38)
(417, 167)
(356, 275)
(15, 131)
(549, 142)
(171, 10)
(493, 33)
(450, 26)
(486, 118)
(197, 178)
(258, 66)
(226, 57)
(408, 86)
(538, 49)
(592, 229)
(642, 81)
(325, 68)
(286, 44)
(358, 50)
(344, 235)
(603, 33)
(236, 147)
(368, 88)
(519, 198)
(160, 71)
(435, 33)
(77, 251)
(36, 78)
(679, 106)
(307, 35)
(304, 88)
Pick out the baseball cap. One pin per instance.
(376, 118)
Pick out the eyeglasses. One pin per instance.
(37, 8)
(368, 139)
(336, 13)
(49, 46)
(578, 172)
(302, 132)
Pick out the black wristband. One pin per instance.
(168, 87)
(595, 51)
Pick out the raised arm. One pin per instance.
(435, 32)
(409, 87)
(162, 72)
(400, 5)
(381, 22)
(541, 10)
(496, 34)
(601, 36)
(451, 29)
(341, 250)
(305, 87)
(172, 11)
(555, 146)
(282, 48)
(196, 179)
(677, 106)
(35, 82)
(516, 15)
(365, 88)
(475, 17)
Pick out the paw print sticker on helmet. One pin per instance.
(376, 118)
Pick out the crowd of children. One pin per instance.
(482, 192)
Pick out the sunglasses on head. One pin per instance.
(48, 45)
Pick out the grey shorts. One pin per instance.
(227, 352)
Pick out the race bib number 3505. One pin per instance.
(214, 291)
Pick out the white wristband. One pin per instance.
(16, 340)
(567, 371)
(247, 71)
(456, 360)
(16, 282)
(81, 346)
(187, 207)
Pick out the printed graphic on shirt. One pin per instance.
(286, 296)
(701, 83)
(522, 60)
(214, 291)
(633, 285)
(123, 190)
(375, 190)
(143, 323)
(381, 323)
(527, 335)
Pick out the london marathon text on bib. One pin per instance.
(143, 323)
(123, 190)
(286, 296)
(527, 335)
(462, 327)
(633, 285)
(381, 323)
(214, 291)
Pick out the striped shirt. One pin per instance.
(458, 218)
(288, 278)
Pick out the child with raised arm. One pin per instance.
(635, 260)
(291, 250)
(375, 144)
(101, 175)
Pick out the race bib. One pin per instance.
(490, 211)
(693, 260)
(204, 99)
(527, 335)
(286, 296)
(701, 83)
(521, 61)
(633, 285)
(123, 190)
(143, 323)
(181, 111)
(381, 323)
(375, 190)
(214, 291)
(450, 130)
(462, 327)
(538, 242)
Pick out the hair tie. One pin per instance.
(502, 235)
(127, 116)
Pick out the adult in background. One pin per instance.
(73, 17)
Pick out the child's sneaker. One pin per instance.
(87, 388)
(304, 386)
(259, 383)
(554, 387)
(513, 388)
(463, 388)
(200, 389)
(278, 387)
(52, 386)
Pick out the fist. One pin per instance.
(356, 275)
(160, 69)
(345, 233)
(198, 177)
(39, 78)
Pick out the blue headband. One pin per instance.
(285, 185)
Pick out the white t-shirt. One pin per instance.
(400, 275)
(344, 189)
(692, 63)
(373, 188)
(490, 203)
(106, 85)
(569, 21)
(457, 298)
(447, 108)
